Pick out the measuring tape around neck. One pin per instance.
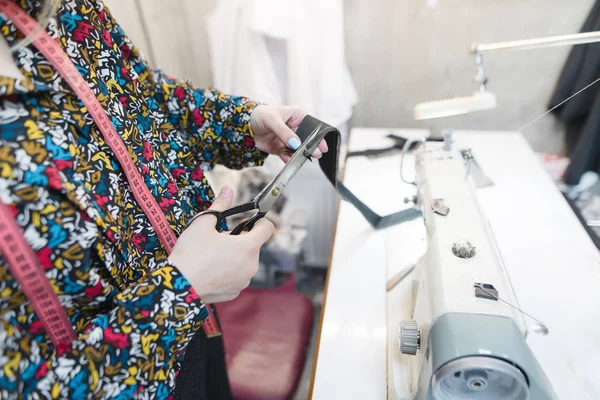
(59, 60)
(28, 272)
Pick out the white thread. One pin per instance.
(559, 104)
(480, 286)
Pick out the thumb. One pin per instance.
(224, 200)
(221, 203)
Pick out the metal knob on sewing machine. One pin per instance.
(465, 339)
(410, 337)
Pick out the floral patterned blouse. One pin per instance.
(133, 312)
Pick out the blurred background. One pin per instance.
(399, 53)
(357, 63)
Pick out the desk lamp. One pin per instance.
(482, 99)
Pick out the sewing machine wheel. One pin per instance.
(479, 378)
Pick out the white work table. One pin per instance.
(553, 265)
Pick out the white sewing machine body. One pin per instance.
(459, 345)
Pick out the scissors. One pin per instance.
(263, 202)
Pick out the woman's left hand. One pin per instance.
(274, 128)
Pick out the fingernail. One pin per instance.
(318, 153)
(225, 192)
(294, 143)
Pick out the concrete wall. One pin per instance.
(404, 52)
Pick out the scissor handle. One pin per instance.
(222, 215)
(247, 224)
(218, 214)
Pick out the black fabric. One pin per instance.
(329, 166)
(329, 161)
(397, 147)
(376, 221)
(581, 114)
(203, 373)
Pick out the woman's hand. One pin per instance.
(274, 128)
(219, 266)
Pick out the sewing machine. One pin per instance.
(466, 338)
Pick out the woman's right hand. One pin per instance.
(219, 266)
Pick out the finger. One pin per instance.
(286, 135)
(289, 138)
(262, 231)
(284, 153)
(285, 157)
(294, 115)
(221, 203)
(295, 119)
(323, 146)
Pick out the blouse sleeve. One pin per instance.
(128, 349)
(216, 125)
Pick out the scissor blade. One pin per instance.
(288, 150)
(301, 155)
(267, 197)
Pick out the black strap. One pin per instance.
(397, 147)
(329, 166)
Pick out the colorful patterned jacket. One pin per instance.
(132, 310)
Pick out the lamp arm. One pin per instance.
(528, 44)
(538, 43)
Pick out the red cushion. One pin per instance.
(266, 335)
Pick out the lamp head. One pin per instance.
(456, 106)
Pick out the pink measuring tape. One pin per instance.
(57, 57)
(28, 272)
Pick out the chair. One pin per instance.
(266, 334)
